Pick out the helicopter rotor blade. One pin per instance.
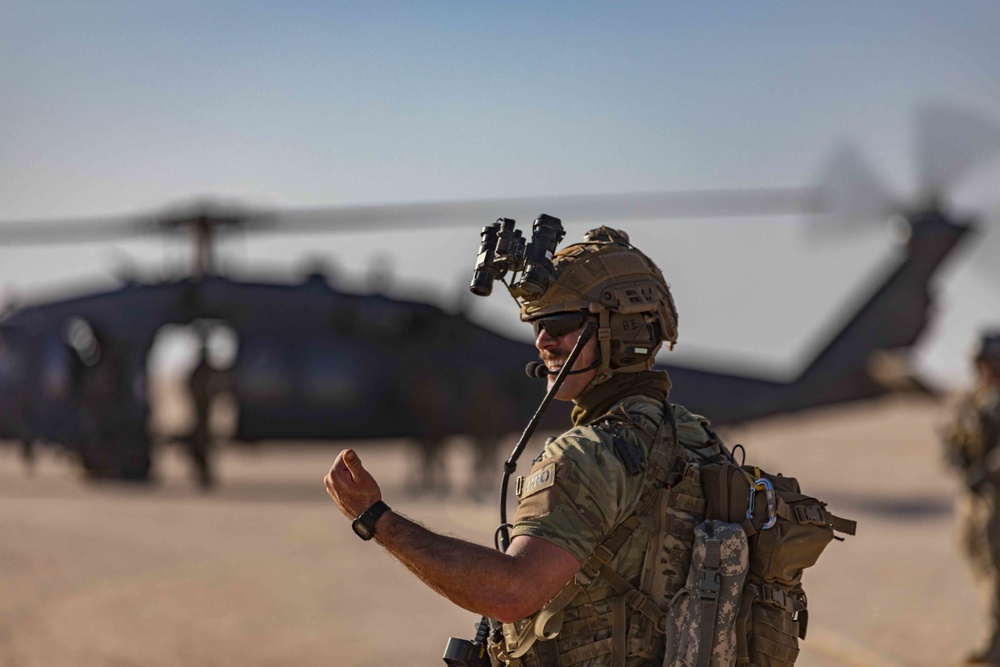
(950, 142)
(576, 208)
(200, 212)
(608, 208)
(81, 230)
(854, 195)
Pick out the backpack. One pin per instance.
(721, 580)
(786, 533)
(747, 516)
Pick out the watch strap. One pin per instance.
(368, 519)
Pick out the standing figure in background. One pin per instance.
(971, 442)
(205, 382)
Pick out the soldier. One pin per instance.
(205, 383)
(582, 486)
(971, 445)
(199, 441)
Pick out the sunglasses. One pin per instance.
(559, 324)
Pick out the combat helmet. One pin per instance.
(607, 276)
(987, 348)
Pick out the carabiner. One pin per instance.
(763, 484)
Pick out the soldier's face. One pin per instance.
(554, 349)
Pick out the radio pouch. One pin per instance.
(701, 622)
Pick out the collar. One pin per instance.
(597, 400)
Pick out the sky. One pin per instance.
(112, 108)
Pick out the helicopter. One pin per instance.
(316, 362)
(313, 361)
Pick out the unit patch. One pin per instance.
(536, 481)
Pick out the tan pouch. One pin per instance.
(788, 530)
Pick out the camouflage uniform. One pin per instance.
(599, 491)
(623, 492)
(583, 485)
(972, 446)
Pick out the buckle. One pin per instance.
(635, 599)
(775, 596)
(810, 514)
(710, 585)
(788, 601)
(603, 554)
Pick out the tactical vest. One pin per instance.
(972, 439)
(622, 623)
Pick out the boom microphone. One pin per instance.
(536, 369)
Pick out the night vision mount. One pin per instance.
(504, 250)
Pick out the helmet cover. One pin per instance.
(609, 277)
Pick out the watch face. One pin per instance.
(364, 524)
(363, 531)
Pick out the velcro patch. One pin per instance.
(538, 480)
(629, 454)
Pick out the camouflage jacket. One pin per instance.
(583, 485)
(971, 440)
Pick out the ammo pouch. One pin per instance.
(786, 531)
(701, 623)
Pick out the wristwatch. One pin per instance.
(364, 524)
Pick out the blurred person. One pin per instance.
(582, 487)
(971, 444)
(205, 383)
(109, 398)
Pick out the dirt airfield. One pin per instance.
(265, 571)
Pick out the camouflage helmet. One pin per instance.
(609, 277)
(987, 348)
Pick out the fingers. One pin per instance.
(338, 471)
(350, 485)
(330, 484)
(352, 461)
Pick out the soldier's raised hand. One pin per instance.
(350, 485)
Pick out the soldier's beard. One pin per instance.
(574, 385)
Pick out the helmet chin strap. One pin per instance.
(604, 373)
(597, 362)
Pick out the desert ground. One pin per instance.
(265, 571)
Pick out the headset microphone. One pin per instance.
(536, 369)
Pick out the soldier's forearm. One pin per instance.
(472, 576)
